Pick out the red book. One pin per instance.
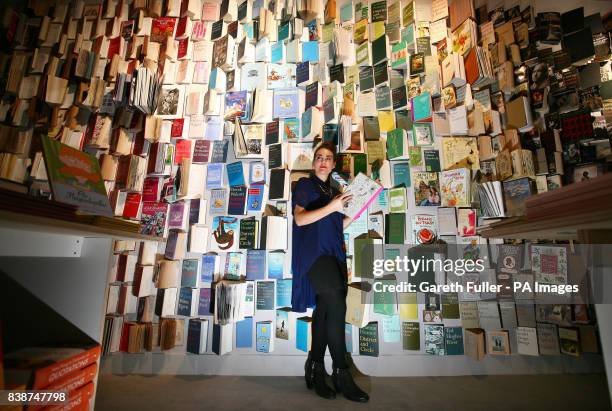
(201, 151)
(177, 127)
(162, 27)
(182, 150)
(132, 206)
(151, 189)
(114, 45)
(183, 47)
(78, 400)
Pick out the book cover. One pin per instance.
(237, 200)
(368, 339)
(424, 228)
(426, 188)
(265, 295)
(454, 185)
(276, 263)
(225, 233)
(434, 339)
(282, 324)
(453, 339)
(286, 103)
(264, 337)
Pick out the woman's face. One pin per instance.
(323, 162)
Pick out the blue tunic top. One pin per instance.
(310, 241)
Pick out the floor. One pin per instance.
(517, 392)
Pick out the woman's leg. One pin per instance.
(319, 332)
(335, 303)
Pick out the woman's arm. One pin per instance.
(303, 217)
(346, 221)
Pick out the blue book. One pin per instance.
(219, 151)
(421, 107)
(302, 72)
(310, 51)
(214, 176)
(212, 81)
(209, 266)
(282, 323)
(237, 200)
(204, 302)
(265, 295)
(235, 174)
(401, 174)
(265, 340)
(214, 132)
(189, 277)
(283, 293)
(184, 302)
(348, 337)
(197, 335)
(248, 30)
(302, 335)
(286, 103)
(244, 333)
(276, 264)
(256, 265)
(255, 197)
(291, 130)
(278, 52)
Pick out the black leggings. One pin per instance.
(328, 279)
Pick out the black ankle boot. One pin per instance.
(318, 379)
(343, 382)
(308, 370)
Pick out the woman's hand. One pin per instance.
(337, 204)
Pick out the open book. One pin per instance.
(364, 191)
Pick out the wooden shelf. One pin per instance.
(29, 222)
(560, 214)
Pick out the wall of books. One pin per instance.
(203, 114)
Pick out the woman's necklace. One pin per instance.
(325, 190)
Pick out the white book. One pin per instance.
(253, 76)
(169, 303)
(457, 119)
(294, 52)
(263, 52)
(262, 109)
(366, 105)
(527, 341)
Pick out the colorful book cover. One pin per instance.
(282, 324)
(286, 103)
(368, 339)
(424, 228)
(235, 174)
(281, 76)
(237, 200)
(236, 105)
(291, 130)
(233, 266)
(426, 190)
(422, 134)
(310, 51)
(75, 178)
(263, 336)
(224, 234)
(207, 273)
(153, 219)
(454, 185)
(256, 265)
(255, 197)
(421, 107)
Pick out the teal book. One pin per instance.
(346, 11)
(306, 122)
(310, 51)
(384, 301)
(401, 174)
(244, 333)
(453, 338)
(432, 160)
(391, 328)
(303, 333)
(264, 337)
(283, 293)
(291, 130)
(276, 264)
(348, 337)
(278, 51)
(283, 31)
(421, 107)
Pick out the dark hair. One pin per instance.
(327, 145)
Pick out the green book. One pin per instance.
(411, 336)
(360, 163)
(363, 256)
(450, 306)
(397, 200)
(432, 160)
(395, 143)
(453, 340)
(379, 50)
(384, 301)
(368, 339)
(416, 158)
(395, 224)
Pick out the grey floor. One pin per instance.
(517, 392)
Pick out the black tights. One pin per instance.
(328, 318)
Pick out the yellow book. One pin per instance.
(386, 121)
(408, 306)
(377, 29)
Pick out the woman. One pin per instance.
(320, 273)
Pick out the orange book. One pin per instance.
(71, 384)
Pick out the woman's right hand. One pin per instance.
(337, 204)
